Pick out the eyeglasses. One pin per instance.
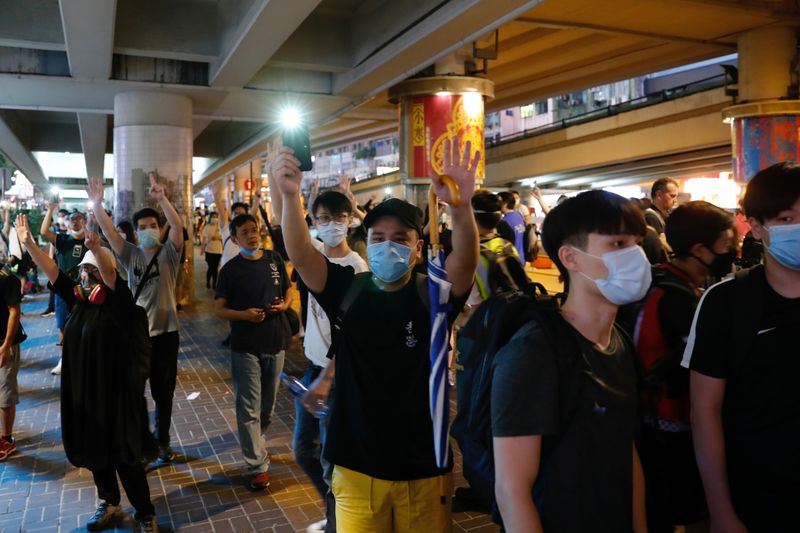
(327, 219)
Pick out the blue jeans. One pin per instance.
(309, 441)
(62, 312)
(255, 386)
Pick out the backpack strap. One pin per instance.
(145, 279)
(355, 289)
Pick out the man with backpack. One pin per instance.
(703, 241)
(743, 356)
(380, 435)
(499, 268)
(563, 390)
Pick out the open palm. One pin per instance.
(460, 168)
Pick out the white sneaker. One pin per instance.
(317, 527)
(57, 369)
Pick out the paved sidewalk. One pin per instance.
(205, 489)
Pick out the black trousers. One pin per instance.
(163, 375)
(134, 481)
(212, 260)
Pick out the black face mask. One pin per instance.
(722, 263)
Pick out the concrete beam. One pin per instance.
(267, 25)
(444, 31)
(94, 134)
(89, 37)
(51, 93)
(19, 154)
(199, 125)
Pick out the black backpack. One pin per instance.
(530, 243)
(487, 331)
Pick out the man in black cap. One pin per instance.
(380, 436)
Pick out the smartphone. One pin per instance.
(298, 140)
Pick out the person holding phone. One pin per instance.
(253, 294)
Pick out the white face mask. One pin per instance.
(629, 275)
(332, 233)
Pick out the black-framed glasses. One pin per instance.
(327, 219)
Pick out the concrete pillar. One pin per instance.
(432, 110)
(153, 131)
(764, 128)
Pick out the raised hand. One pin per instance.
(459, 167)
(94, 189)
(285, 168)
(23, 231)
(92, 240)
(156, 189)
(52, 206)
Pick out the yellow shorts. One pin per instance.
(366, 504)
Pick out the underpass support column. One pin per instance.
(431, 110)
(765, 126)
(153, 132)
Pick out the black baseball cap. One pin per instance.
(409, 214)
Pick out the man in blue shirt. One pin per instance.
(515, 220)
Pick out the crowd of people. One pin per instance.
(654, 394)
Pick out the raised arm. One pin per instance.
(463, 260)
(105, 262)
(47, 265)
(45, 230)
(174, 220)
(345, 185)
(94, 189)
(537, 193)
(305, 258)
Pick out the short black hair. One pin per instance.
(772, 190)
(333, 201)
(693, 223)
(660, 185)
(596, 211)
(508, 199)
(145, 212)
(240, 220)
(489, 204)
(62, 210)
(242, 205)
(213, 214)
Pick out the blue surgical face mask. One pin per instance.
(629, 275)
(248, 253)
(148, 237)
(784, 245)
(388, 260)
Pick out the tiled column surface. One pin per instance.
(205, 490)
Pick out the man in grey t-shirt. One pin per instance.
(157, 294)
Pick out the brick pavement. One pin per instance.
(205, 489)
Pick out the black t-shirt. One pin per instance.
(69, 253)
(585, 473)
(244, 284)
(381, 423)
(11, 294)
(761, 409)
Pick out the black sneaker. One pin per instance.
(103, 517)
(148, 525)
(48, 313)
(165, 455)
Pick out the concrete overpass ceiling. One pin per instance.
(242, 60)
